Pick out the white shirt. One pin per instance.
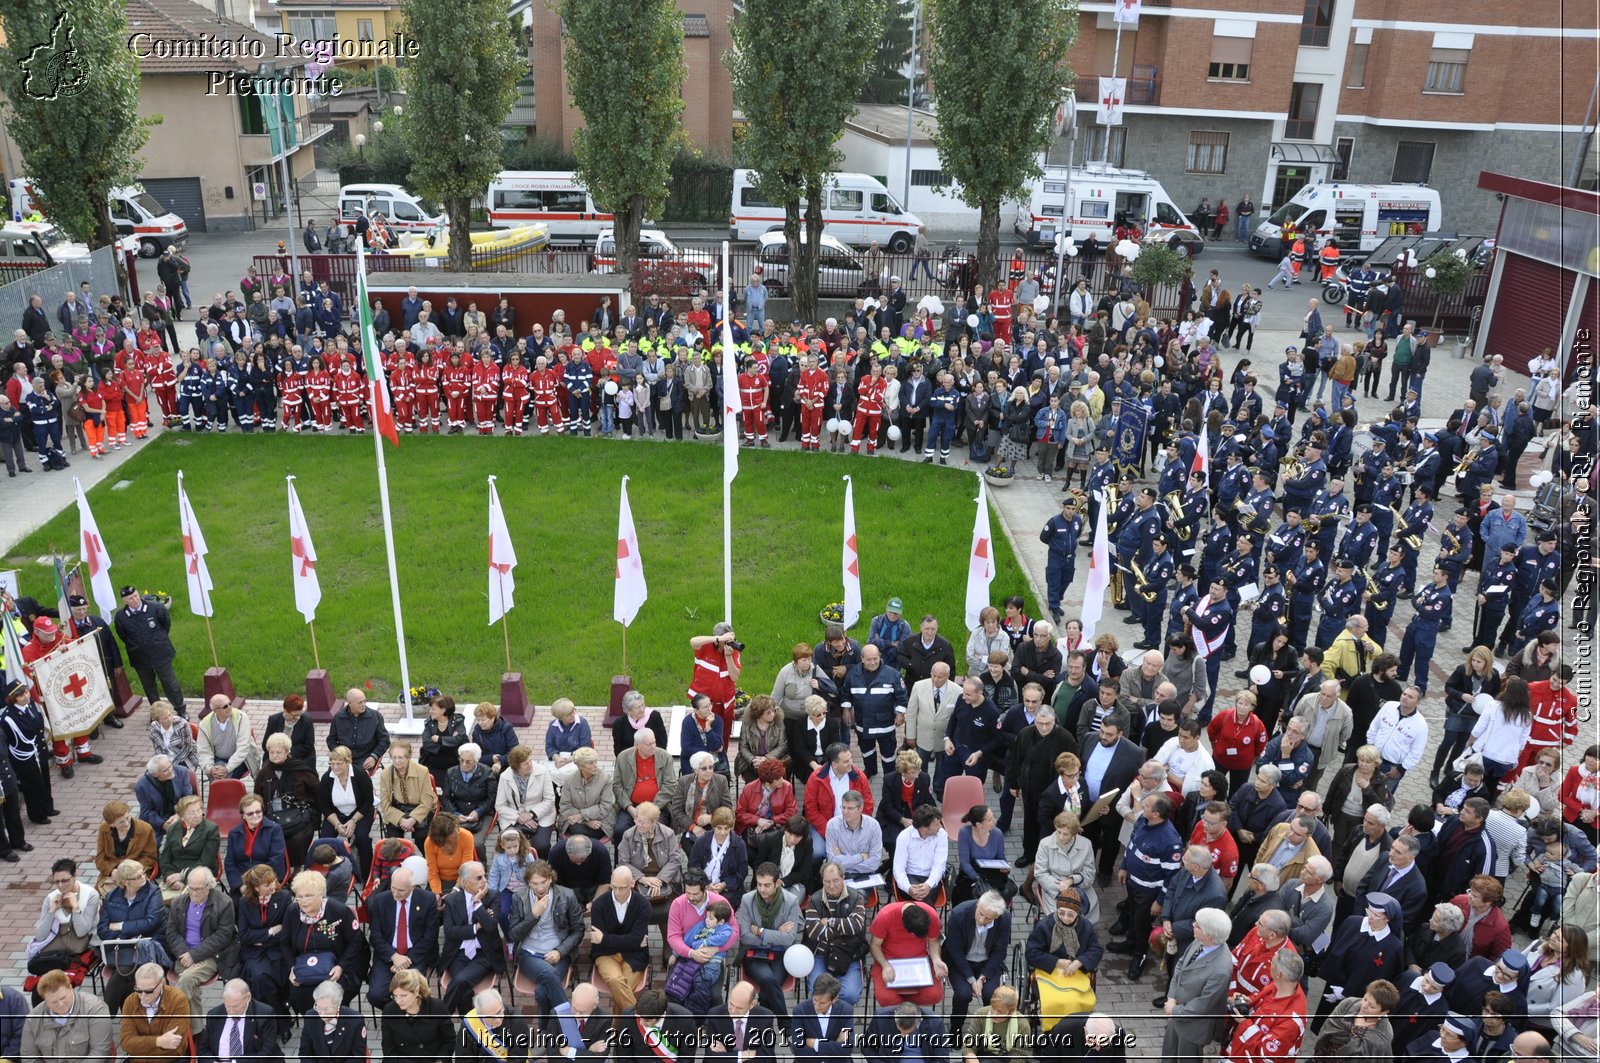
(841, 786)
(1400, 739)
(919, 860)
(1186, 765)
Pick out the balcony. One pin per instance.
(523, 112)
(1144, 87)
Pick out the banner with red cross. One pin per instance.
(73, 681)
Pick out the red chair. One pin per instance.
(961, 794)
(222, 804)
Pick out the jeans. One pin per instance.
(1242, 234)
(849, 982)
(607, 419)
(547, 978)
(1340, 390)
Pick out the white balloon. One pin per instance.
(1483, 702)
(1260, 674)
(972, 321)
(894, 433)
(798, 960)
(832, 426)
(1161, 363)
(417, 864)
(1040, 303)
(1460, 253)
(1072, 252)
(611, 387)
(1430, 273)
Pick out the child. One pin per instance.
(713, 931)
(609, 392)
(641, 403)
(1551, 888)
(626, 403)
(513, 855)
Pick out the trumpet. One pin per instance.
(1140, 581)
(1313, 526)
(1466, 462)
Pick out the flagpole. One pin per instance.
(316, 658)
(729, 426)
(624, 649)
(214, 662)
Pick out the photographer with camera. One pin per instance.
(716, 671)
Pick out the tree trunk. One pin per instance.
(805, 264)
(989, 246)
(458, 210)
(626, 224)
(106, 236)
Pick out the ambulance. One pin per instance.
(1103, 198)
(552, 198)
(402, 210)
(1360, 216)
(859, 210)
(135, 212)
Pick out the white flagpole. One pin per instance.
(728, 428)
(388, 534)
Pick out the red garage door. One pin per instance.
(1529, 310)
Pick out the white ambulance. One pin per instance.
(1103, 198)
(859, 210)
(404, 211)
(1360, 216)
(552, 198)
(134, 211)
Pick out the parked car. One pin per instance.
(666, 260)
(840, 271)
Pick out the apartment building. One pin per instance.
(1229, 98)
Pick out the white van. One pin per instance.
(858, 211)
(1103, 197)
(405, 212)
(38, 243)
(552, 198)
(1360, 216)
(135, 212)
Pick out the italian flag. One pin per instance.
(382, 405)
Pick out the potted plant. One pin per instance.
(832, 613)
(1000, 475)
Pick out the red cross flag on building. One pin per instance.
(502, 560)
(1113, 91)
(631, 591)
(302, 560)
(980, 565)
(852, 558)
(95, 559)
(73, 685)
(194, 555)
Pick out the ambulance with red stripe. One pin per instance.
(858, 210)
(1103, 197)
(552, 198)
(134, 211)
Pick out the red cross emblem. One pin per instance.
(297, 547)
(188, 552)
(855, 558)
(498, 566)
(622, 555)
(982, 549)
(91, 553)
(76, 685)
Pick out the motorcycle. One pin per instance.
(1335, 288)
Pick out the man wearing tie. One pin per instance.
(1198, 989)
(823, 1026)
(403, 927)
(239, 1030)
(741, 1030)
(472, 949)
(575, 1031)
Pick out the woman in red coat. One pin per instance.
(764, 806)
(1580, 794)
(1486, 931)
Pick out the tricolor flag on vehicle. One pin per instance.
(380, 401)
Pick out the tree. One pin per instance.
(1447, 274)
(796, 106)
(996, 119)
(1157, 265)
(625, 68)
(74, 103)
(462, 84)
(886, 79)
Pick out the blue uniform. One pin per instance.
(1237, 571)
(1060, 537)
(1414, 524)
(1182, 599)
(192, 398)
(1157, 575)
(1174, 475)
(1341, 599)
(1212, 625)
(1481, 471)
(1330, 510)
(1195, 505)
(874, 698)
(1494, 583)
(578, 380)
(1533, 568)
(1135, 537)
(1284, 545)
(1271, 615)
(1231, 486)
(1386, 494)
(1218, 545)
(1309, 576)
(241, 393)
(44, 414)
(1369, 472)
(1359, 542)
(1433, 605)
(942, 408)
(1386, 584)
(1539, 616)
(1455, 550)
(1298, 493)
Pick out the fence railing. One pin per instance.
(53, 282)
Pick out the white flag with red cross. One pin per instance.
(631, 591)
(302, 560)
(502, 560)
(980, 565)
(194, 555)
(851, 559)
(95, 559)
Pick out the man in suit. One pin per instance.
(1198, 988)
(632, 322)
(239, 1029)
(491, 1033)
(739, 1026)
(1398, 876)
(1110, 762)
(1092, 1036)
(929, 706)
(905, 1032)
(1194, 887)
(823, 1027)
(576, 1030)
(619, 937)
(472, 948)
(976, 938)
(397, 944)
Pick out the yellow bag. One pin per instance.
(1062, 996)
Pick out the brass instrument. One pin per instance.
(1313, 526)
(1291, 467)
(1140, 581)
(1466, 462)
(1117, 591)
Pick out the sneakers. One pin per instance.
(1534, 920)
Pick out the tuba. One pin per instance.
(1148, 596)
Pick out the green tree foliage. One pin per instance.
(1157, 265)
(625, 69)
(72, 89)
(796, 86)
(886, 79)
(462, 84)
(1451, 273)
(997, 118)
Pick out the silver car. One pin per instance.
(839, 269)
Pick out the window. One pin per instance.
(1208, 152)
(1317, 25)
(1447, 69)
(400, 210)
(883, 203)
(312, 26)
(1230, 59)
(1413, 162)
(844, 199)
(364, 29)
(930, 179)
(252, 122)
(1110, 145)
(1344, 147)
(1358, 67)
(1304, 99)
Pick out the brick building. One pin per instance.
(1262, 97)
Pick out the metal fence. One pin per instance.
(52, 283)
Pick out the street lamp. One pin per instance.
(377, 127)
(361, 143)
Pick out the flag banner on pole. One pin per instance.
(502, 560)
(1094, 590)
(1127, 448)
(852, 559)
(1202, 456)
(1113, 91)
(194, 555)
(732, 407)
(10, 620)
(980, 565)
(631, 592)
(1127, 11)
(93, 551)
(382, 405)
(302, 560)
(73, 683)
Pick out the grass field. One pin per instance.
(914, 526)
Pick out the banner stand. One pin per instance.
(122, 693)
(217, 682)
(620, 685)
(514, 707)
(321, 705)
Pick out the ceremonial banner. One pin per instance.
(302, 560)
(980, 562)
(851, 559)
(502, 560)
(1127, 445)
(631, 591)
(1113, 91)
(1127, 11)
(74, 685)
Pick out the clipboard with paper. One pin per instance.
(1100, 807)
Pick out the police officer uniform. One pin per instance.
(1061, 535)
(144, 632)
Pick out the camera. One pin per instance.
(735, 644)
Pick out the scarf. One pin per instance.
(1065, 937)
(1471, 925)
(769, 911)
(996, 1038)
(488, 1040)
(718, 851)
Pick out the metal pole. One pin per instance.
(911, 99)
(288, 202)
(1064, 231)
(1587, 138)
(1116, 58)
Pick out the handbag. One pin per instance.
(311, 968)
(292, 816)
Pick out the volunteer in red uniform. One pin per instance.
(753, 397)
(485, 392)
(546, 386)
(514, 391)
(1271, 1022)
(811, 392)
(869, 409)
(319, 392)
(425, 382)
(717, 664)
(116, 420)
(403, 390)
(163, 381)
(1329, 259)
(1555, 716)
(455, 380)
(348, 388)
(1000, 301)
(1237, 739)
(136, 392)
(1211, 830)
(292, 386)
(48, 636)
(1252, 959)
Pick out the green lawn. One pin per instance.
(914, 526)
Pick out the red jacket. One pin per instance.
(813, 388)
(1577, 793)
(752, 390)
(1252, 963)
(545, 383)
(819, 797)
(347, 388)
(514, 381)
(869, 395)
(1224, 851)
(456, 381)
(1273, 1030)
(1492, 936)
(486, 382)
(1555, 715)
(1235, 746)
(745, 812)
